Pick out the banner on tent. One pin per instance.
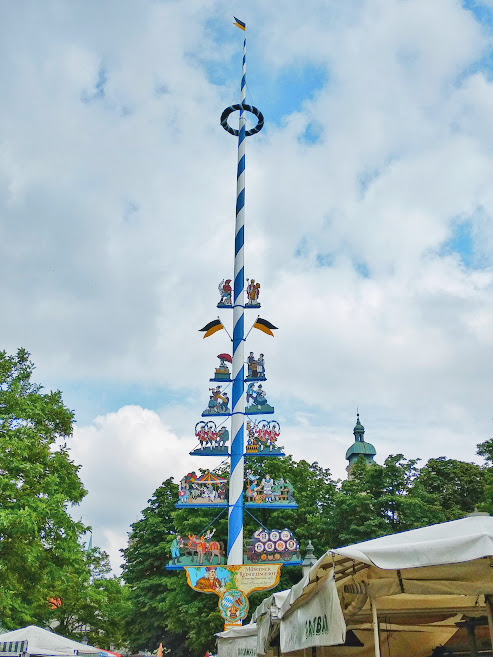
(245, 646)
(263, 631)
(319, 622)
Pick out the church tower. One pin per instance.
(360, 447)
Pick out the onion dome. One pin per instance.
(360, 447)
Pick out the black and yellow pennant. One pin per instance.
(211, 328)
(265, 326)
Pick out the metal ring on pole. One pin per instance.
(245, 108)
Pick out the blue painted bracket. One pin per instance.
(204, 414)
(289, 563)
(266, 505)
(210, 452)
(205, 505)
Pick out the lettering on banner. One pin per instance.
(308, 625)
(247, 652)
(316, 626)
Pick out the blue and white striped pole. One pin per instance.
(236, 481)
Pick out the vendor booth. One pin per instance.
(266, 616)
(399, 595)
(256, 636)
(238, 642)
(33, 640)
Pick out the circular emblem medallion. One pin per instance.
(233, 605)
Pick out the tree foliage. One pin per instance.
(486, 451)
(379, 500)
(459, 485)
(147, 623)
(47, 575)
(39, 541)
(92, 602)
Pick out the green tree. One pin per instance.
(148, 552)
(39, 541)
(458, 485)
(486, 451)
(92, 602)
(381, 499)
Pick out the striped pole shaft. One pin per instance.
(237, 476)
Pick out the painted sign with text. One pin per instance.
(233, 585)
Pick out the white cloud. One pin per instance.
(117, 194)
(125, 456)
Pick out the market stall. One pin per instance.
(33, 640)
(238, 642)
(404, 593)
(266, 616)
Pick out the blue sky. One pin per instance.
(483, 12)
(462, 243)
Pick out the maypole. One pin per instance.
(237, 475)
(253, 565)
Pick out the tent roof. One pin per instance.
(446, 543)
(444, 567)
(44, 642)
(274, 601)
(237, 632)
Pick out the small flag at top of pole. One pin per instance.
(239, 24)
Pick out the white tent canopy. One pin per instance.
(238, 632)
(44, 642)
(449, 542)
(421, 582)
(238, 642)
(266, 615)
(450, 560)
(271, 604)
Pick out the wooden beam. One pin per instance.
(376, 633)
(489, 612)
